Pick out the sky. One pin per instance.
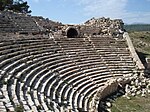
(79, 11)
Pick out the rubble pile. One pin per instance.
(139, 85)
(105, 104)
(106, 25)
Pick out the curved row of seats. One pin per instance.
(114, 52)
(56, 74)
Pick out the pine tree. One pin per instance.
(15, 5)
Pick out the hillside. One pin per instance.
(141, 42)
(137, 27)
(140, 35)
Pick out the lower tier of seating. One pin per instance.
(57, 74)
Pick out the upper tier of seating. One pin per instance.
(47, 24)
(58, 74)
(12, 22)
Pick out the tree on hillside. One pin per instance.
(5, 3)
(15, 5)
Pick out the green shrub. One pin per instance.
(19, 108)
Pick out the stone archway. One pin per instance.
(72, 32)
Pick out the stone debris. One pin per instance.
(106, 26)
(108, 104)
(139, 85)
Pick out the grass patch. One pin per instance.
(135, 104)
(141, 41)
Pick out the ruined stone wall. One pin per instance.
(100, 26)
(110, 87)
(136, 59)
(103, 26)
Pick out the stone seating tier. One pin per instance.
(58, 74)
(17, 23)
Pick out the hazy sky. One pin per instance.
(78, 11)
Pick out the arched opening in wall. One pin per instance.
(72, 33)
(94, 33)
